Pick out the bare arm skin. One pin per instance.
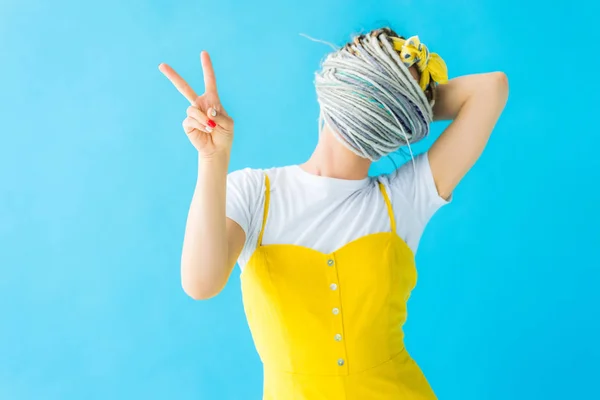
(474, 103)
(212, 242)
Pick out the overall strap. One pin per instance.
(389, 207)
(266, 211)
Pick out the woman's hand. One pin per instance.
(207, 125)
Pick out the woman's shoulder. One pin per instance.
(259, 172)
(255, 177)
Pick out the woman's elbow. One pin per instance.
(200, 292)
(500, 77)
(498, 82)
(491, 90)
(201, 288)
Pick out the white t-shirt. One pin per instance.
(326, 213)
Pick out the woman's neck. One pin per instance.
(332, 159)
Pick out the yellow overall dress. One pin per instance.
(329, 326)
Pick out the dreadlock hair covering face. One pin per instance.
(369, 98)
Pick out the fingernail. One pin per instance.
(208, 129)
(211, 123)
(212, 112)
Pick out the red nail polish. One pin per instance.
(211, 123)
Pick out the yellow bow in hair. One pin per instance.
(430, 65)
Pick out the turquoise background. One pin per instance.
(96, 177)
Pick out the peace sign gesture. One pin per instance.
(207, 125)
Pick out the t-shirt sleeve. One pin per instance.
(413, 185)
(245, 189)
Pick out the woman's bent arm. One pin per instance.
(212, 243)
(474, 103)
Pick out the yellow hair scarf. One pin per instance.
(431, 66)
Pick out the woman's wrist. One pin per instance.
(215, 160)
(213, 167)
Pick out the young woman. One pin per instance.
(327, 252)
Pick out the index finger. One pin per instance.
(178, 82)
